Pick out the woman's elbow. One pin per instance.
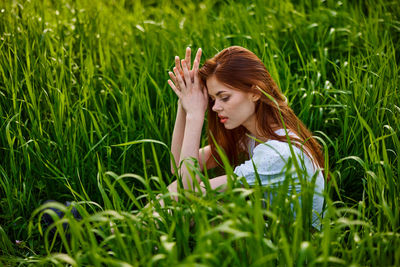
(203, 187)
(173, 168)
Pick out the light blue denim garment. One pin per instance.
(270, 159)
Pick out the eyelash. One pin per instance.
(225, 99)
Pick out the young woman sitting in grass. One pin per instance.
(247, 116)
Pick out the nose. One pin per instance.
(216, 107)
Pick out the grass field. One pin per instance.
(78, 79)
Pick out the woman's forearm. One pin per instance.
(177, 136)
(190, 146)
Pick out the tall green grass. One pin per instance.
(77, 79)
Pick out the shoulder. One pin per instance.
(272, 147)
(272, 159)
(276, 148)
(268, 158)
(274, 154)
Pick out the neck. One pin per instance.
(254, 130)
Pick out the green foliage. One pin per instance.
(78, 79)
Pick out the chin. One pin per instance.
(229, 127)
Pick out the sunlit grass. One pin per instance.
(78, 79)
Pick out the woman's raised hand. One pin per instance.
(187, 86)
(188, 62)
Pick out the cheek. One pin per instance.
(245, 107)
(241, 109)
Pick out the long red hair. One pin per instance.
(242, 70)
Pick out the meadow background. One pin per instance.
(79, 77)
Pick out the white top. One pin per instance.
(270, 159)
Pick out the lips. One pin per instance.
(222, 119)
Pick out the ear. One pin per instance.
(254, 97)
(256, 94)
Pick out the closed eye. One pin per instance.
(225, 99)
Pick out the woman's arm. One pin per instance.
(219, 183)
(190, 145)
(206, 160)
(177, 136)
(180, 121)
(194, 99)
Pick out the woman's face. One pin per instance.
(234, 107)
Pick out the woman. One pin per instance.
(244, 104)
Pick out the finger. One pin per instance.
(172, 85)
(177, 74)
(196, 73)
(179, 78)
(178, 65)
(184, 65)
(188, 80)
(188, 57)
(196, 63)
(173, 78)
(197, 58)
(205, 92)
(193, 71)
